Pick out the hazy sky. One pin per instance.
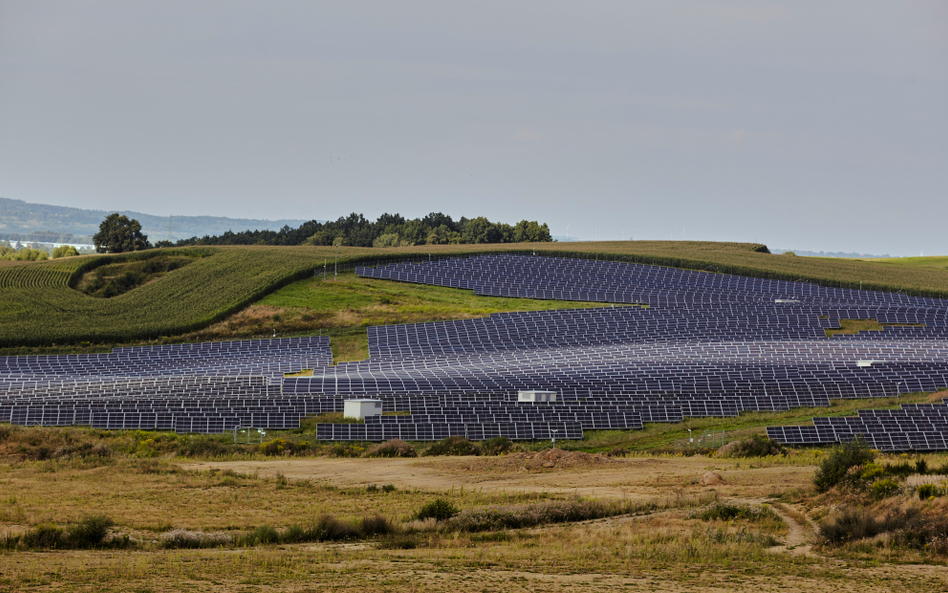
(809, 125)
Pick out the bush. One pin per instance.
(438, 509)
(329, 528)
(393, 448)
(282, 447)
(884, 487)
(375, 525)
(926, 491)
(44, 537)
(851, 524)
(759, 445)
(860, 523)
(453, 446)
(833, 467)
(293, 534)
(90, 531)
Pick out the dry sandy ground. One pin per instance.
(549, 471)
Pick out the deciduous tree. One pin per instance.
(118, 234)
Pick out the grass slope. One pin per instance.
(39, 307)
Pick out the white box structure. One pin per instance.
(536, 396)
(360, 408)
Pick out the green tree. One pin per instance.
(64, 251)
(480, 230)
(118, 234)
(530, 231)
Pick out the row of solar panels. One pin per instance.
(524, 271)
(437, 432)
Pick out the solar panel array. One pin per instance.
(675, 344)
(914, 427)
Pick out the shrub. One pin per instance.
(453, 446)
(343, 450)
(921, 466)
(293, 534)
(834, 466)
(90, 531)
(329, 528)
(438, 509)
(851, 524)
(884, 487)
(375, 525)
(44, 537)
(758, 445)
(282, 447)
(393, 448)
(926, 491)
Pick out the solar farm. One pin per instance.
(674, 344)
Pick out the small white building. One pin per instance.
(360, 408)
(536, 396)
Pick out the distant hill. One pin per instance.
(829, 253)
(22, 221)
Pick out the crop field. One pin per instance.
(38, 305)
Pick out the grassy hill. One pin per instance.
(39, 305)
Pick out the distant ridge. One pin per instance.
(24, 221)
(830, 253)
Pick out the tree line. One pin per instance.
(389, 230)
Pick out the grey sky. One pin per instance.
(814, 125)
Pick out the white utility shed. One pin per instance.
(360, 408)
(536, 396)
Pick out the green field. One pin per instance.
(40, 307)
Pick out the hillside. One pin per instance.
(38, 305)
(18, 219)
